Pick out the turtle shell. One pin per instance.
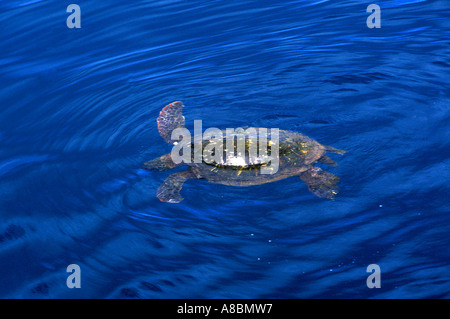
(239, 149)
(234, 165)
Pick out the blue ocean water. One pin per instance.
(78, 118)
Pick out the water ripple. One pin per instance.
(79, 119)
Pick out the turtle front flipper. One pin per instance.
(320, 182)
(169, 191)
(162, 163)
(325, 159)
(334, 150)
(169, 119)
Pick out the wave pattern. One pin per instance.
(79, 117)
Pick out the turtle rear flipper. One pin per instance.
(169, 191)
(321, 183)
(162, 163)
(169, 119)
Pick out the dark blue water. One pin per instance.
(78, 118)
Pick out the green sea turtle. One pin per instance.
(296, 155)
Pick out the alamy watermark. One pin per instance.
(73, 20)
(74, 280)
(374, 20)
(374, 280)
(254, 147)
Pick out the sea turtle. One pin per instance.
(296, 153)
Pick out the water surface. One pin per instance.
(78, 118)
